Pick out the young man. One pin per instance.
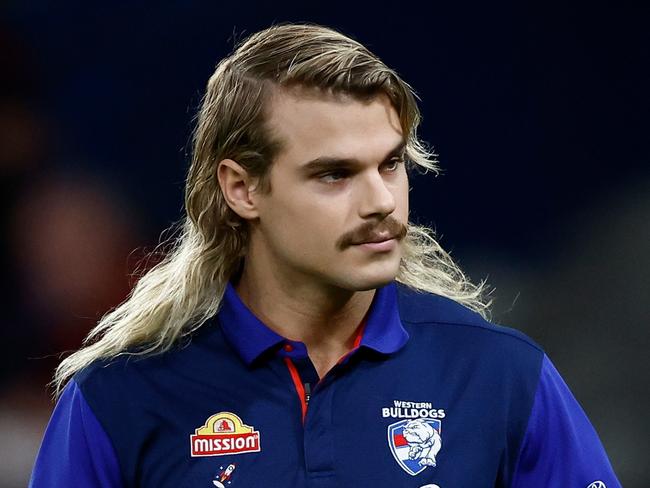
(303, 332)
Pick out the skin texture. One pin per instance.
(303, 276)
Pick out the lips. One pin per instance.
(377, 238)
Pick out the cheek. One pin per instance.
(400, 191)
(303, 228)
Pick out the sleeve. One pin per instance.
(560, 448)
(75, 450)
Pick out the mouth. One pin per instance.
(383, 237)
(379, 243)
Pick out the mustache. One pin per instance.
(368, 230)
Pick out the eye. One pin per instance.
(333, 176)
(392, 165)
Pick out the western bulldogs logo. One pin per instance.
(415, 443)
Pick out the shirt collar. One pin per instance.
(250, 337)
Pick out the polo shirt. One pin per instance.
(430, 396)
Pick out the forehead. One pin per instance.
(310, 123)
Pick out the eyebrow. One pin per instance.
(329, 162)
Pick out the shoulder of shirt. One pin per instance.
(101, 370)
(114, 369)
(186, 354)
(423, 308)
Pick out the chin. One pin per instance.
(370, 281)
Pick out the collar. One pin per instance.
(383, 331)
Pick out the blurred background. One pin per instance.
(539, 115)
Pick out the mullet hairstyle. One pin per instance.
(186, 288)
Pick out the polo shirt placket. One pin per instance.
(380, 330)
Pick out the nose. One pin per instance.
(377, 199)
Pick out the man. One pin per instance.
(303, 332)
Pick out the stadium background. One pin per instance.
(539, 115)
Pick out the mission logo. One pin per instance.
(223, 434)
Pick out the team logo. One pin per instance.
(597, 484)
(415, 443)
(224, 433)
(412, 410)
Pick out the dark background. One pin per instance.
(539, 114)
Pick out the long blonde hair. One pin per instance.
(186, 288)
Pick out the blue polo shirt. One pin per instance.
(431, 395)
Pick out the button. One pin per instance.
(288, 347)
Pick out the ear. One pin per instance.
(238, 188)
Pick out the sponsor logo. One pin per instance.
(224, 433)
(597, 484)
(223, 478)
(412, 410)
(415, 443)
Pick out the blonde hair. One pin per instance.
(186, 288)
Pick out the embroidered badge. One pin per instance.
(224, 433)
(224, 477)
(415, 443)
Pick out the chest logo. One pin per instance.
(224, 434)
(415, 443)
(224, 477)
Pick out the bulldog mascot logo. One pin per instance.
(424, 441)
(415, 443)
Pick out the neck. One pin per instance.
(324, 317)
